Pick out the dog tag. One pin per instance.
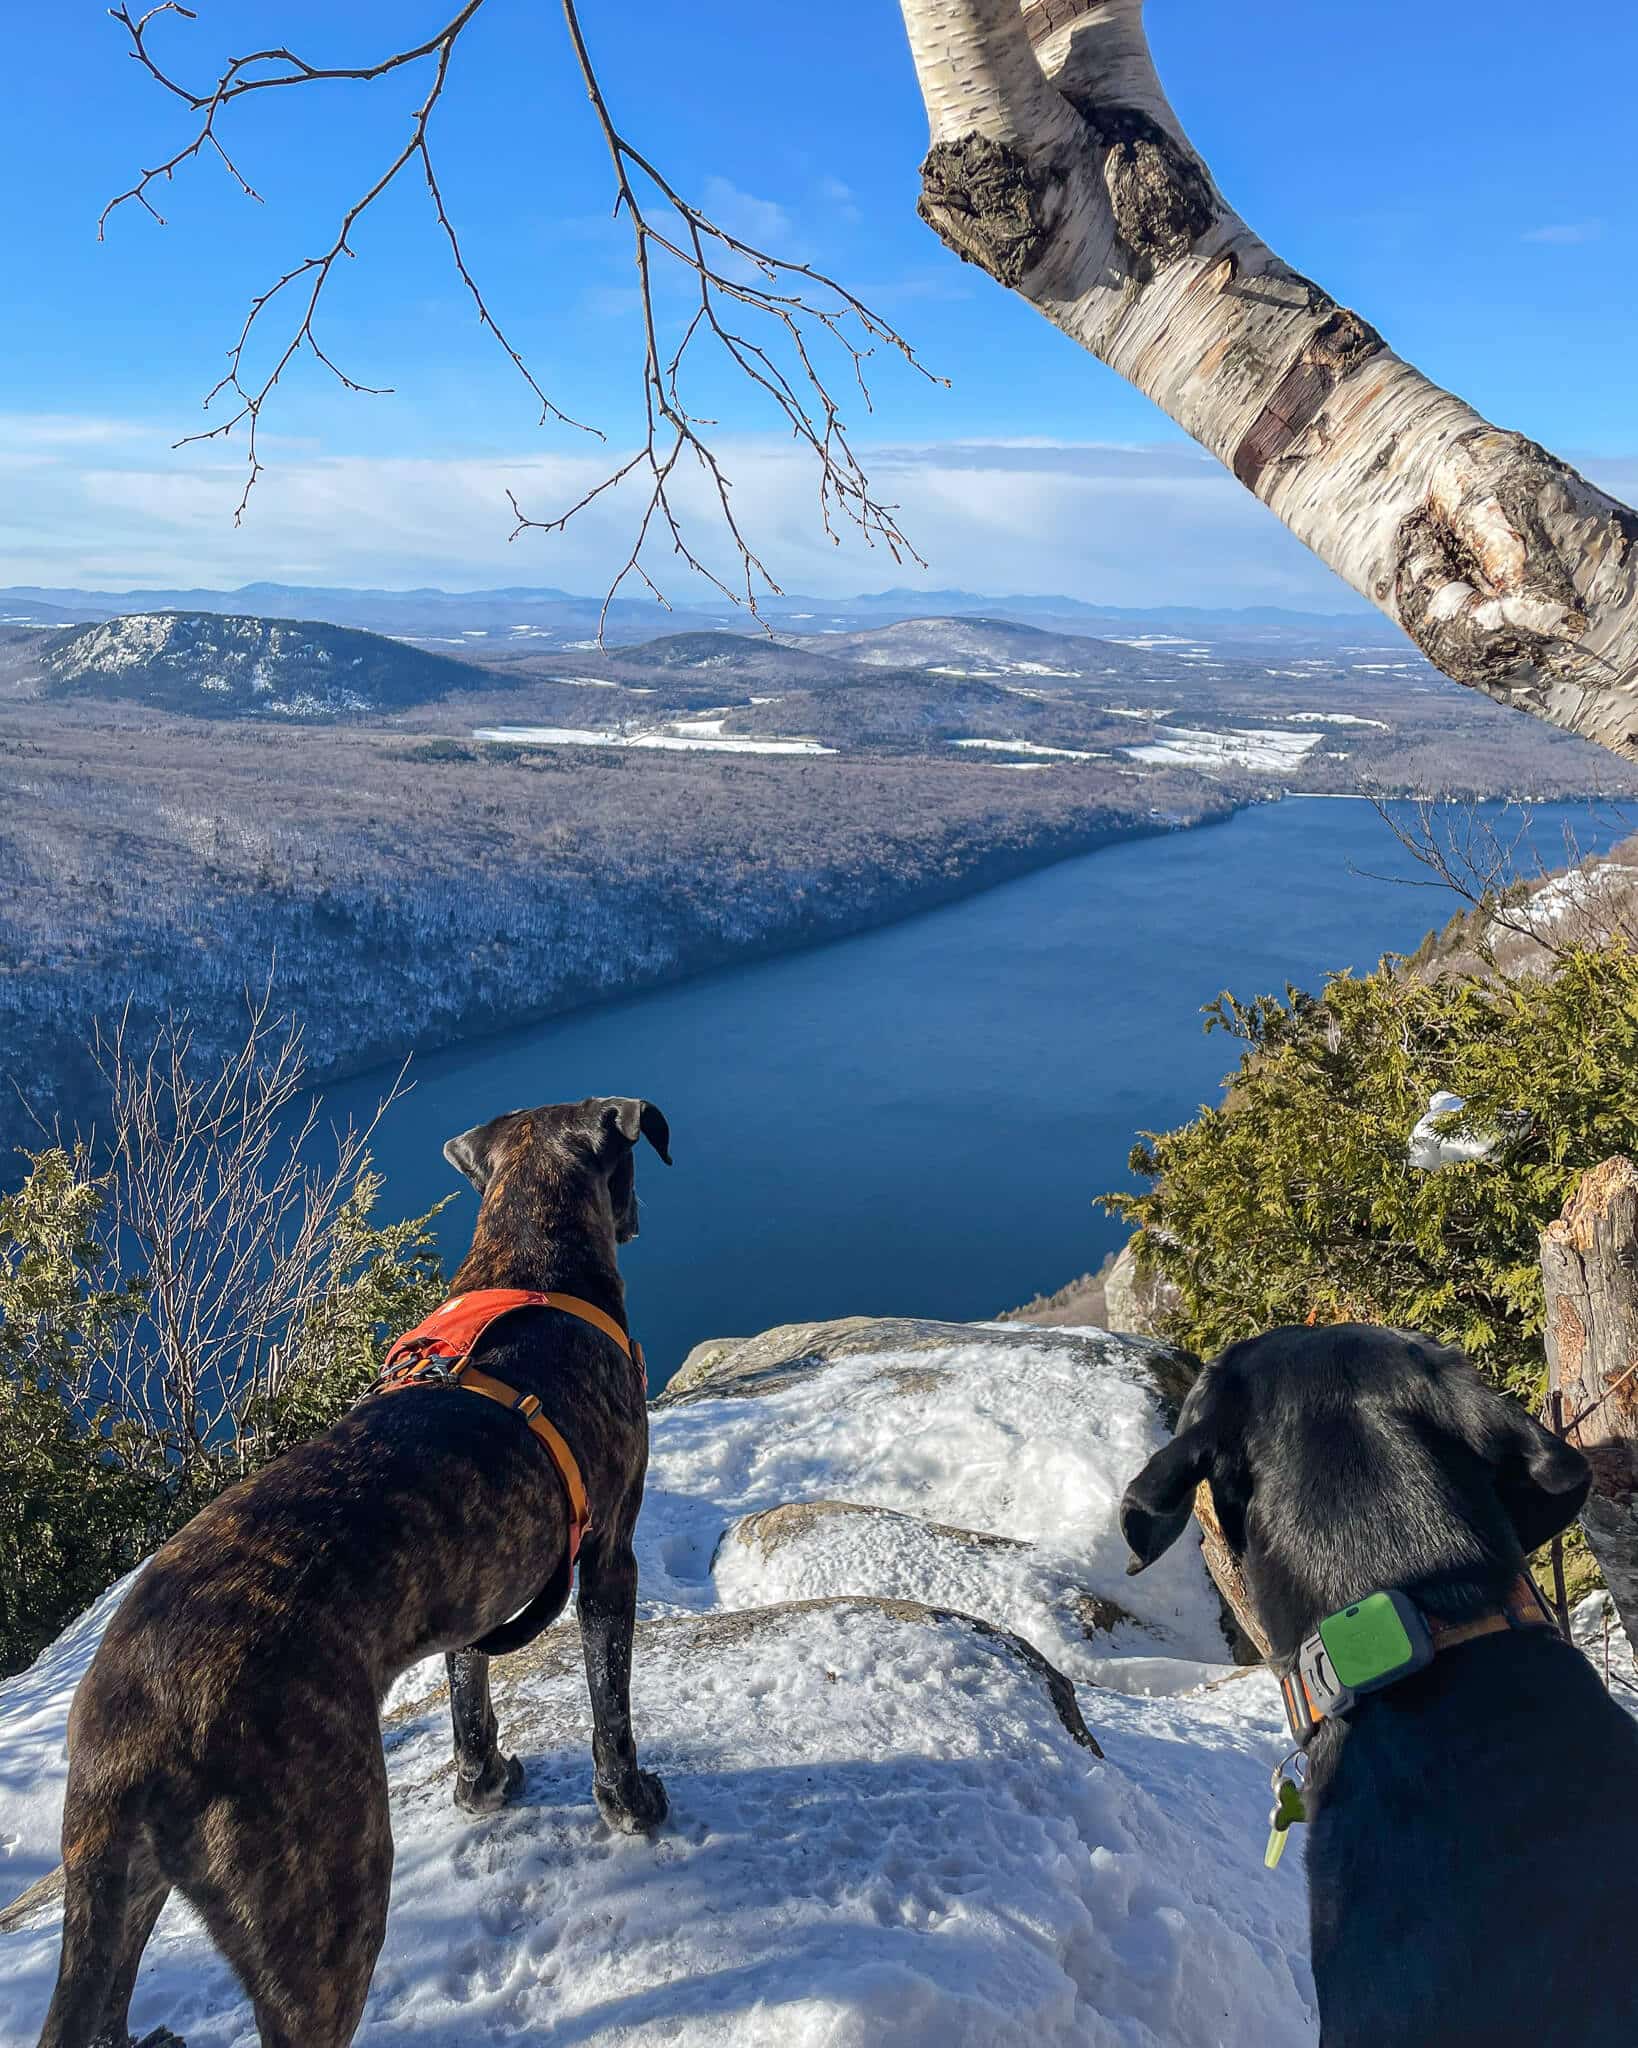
(1288, 1808)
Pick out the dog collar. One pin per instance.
(1376, 1642)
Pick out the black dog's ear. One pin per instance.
(1541, 1481)
(634, 1119)
(1155, 1508)
(470, 1154)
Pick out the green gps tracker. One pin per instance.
(1358, 1650)
(1378, 1639)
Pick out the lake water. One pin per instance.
(917, 1121)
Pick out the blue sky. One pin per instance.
(1456, 173)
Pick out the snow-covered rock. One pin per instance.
(1435, 1141)
(881, 1579)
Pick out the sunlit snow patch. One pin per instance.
(1029, 747)
(1266, 751)
(1335, 718)
(574, 736)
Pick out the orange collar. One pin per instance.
(439, 1351)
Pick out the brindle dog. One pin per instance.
(226, 1739)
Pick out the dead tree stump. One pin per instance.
(1245, 1636)
(1589, 1263)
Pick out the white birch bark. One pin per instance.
(1058, 166)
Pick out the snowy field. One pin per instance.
(670, 738)
(1266, 750)
(887, 1826)
(1029, 747)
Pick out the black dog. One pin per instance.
(1473, 1847)
(226, 1740)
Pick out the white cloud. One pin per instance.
(762, 222)
(108, 504)
(842, 199)
(1566, 232)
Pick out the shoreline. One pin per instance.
(810, 935)
(993, 872)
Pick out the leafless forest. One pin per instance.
(408, 891)
(193, 802)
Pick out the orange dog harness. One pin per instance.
(439, 1352)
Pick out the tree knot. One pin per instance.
(1481, 584)
(1159, 193)
(986, 200)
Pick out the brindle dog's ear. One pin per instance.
(634, 1119)
(471, 1153)
(1155, 1508)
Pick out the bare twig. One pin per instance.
(779, 291)
(262, 71)
(731, 283)
(217, 1190)
(1463, 852)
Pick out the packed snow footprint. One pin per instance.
(887, 1826)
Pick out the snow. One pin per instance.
(676, 740)
(1433, 1143)
(1594, 892)
(1029, 747)
(883, 1830)
(1266, 750)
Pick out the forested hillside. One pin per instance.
(427, 845)
(410, 891)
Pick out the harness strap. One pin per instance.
(421, 1371)
(439, 1351)
(457, 1324)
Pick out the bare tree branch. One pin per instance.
(1463, 851)
(261, 71)
(217, 1191)
(727, 279)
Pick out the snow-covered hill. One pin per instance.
(886, 1631)
(216, 666)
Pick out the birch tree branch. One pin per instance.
(1057, 165)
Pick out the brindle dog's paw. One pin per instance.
(499, 1779)
(636, 1806)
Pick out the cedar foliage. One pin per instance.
(1293, 1200)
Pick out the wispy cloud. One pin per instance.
(1141, 524)
(842, 200)
(1564, 233)
(764, 223)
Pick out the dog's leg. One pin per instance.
(484, 1779)
(628, 1798)
(144, 1903)
(295, 1873)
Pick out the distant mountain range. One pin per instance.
(450, 617)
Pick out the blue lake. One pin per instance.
(917, 1121)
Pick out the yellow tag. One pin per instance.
(1288, 1808)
